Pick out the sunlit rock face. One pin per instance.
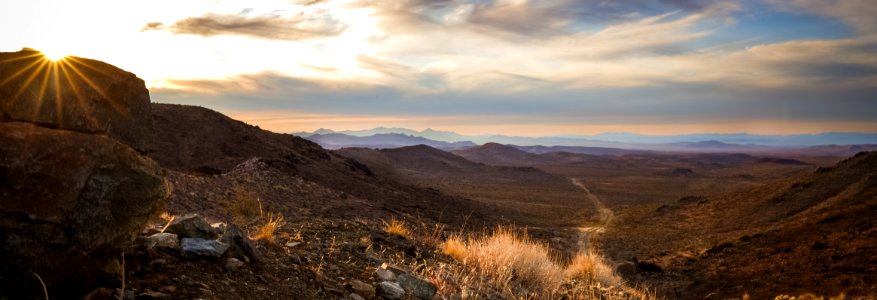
(74, 187)
(76, 94)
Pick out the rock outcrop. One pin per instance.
(76, 94)
(74, 187)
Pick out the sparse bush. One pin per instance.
(244, 206)
(591, 267)
(396, 227)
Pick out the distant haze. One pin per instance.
(383, 137)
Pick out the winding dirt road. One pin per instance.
(604, 216)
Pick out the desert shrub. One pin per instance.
(244, 206)
(397, 227)
(592, 268)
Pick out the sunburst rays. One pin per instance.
(66, 83)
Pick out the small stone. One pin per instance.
(219, 227)
(162, 240)
(233, 264)
(385, 275)
(196, 247)
(169, 289)
(150, 295)
(295, 259)
(354, 296)
(390, 290)
(292, 244)
(361, 288)
(192, 226)
(158, 263)
(421, 288)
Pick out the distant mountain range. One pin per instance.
(382, 141)
(398, 137)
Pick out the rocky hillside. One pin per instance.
(214, 153)
(811, 233)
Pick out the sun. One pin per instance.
(54, 54)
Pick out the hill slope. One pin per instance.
(213, 144)
(811, 233)
(519, 194)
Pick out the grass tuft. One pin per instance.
(266, 232)
(591, 267)
(397, 227)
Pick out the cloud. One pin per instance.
(858, 13)
(297, 27)
(152, 26)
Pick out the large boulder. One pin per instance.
(74, 189)
(76, 94)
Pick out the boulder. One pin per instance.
(192, 226)
(197, 248)
(390, 290)
(418, 287)
(75, 94)
(240, 246)
(69, 201)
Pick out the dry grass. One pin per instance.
(508, 264)
(244, 206)
(593, 268)
(266, 231)
(397, 227)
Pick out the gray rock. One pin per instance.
(419, 287)
(162, 240)
(385, 275)
(195, 247)
(362, 289)
(390, 290)
(354, 296)
(233, 264)
(192, 226)
(98, 98)
(240, 246)
(387, 272)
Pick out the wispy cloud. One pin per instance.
(297, 27)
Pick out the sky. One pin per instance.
(512, 67)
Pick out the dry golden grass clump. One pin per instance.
(509, 263)
(508, 260)
(266, 231)
(592, 268)
(397, 227)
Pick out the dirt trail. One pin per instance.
(604, 216)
